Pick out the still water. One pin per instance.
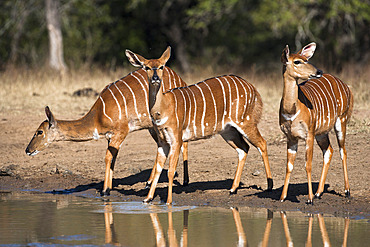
(37, 219)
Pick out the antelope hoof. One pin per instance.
(233, 192)
(147, 200)
(185, 183)
(347, 193)
(105, 192)
(318, 195)
(309, 202)
(270, 184)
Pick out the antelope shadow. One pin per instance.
(143, 176)
(295, 190)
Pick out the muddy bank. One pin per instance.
(78, 169)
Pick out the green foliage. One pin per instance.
(208, 32)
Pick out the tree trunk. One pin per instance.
(20, 12)
(56, 59)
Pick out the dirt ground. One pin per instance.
(78, 168)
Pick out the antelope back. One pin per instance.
(205, 108)
(327, 98)
(126, 100)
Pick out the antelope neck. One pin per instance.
(82, 129)
(155, 99)
(290, 95)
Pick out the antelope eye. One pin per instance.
(297, 62)
(161, 68)
(146, 68)
(39, 132)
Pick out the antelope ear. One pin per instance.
(135, 59)
(50, 116)
(285, 55)
(308, 50)
(166, 55)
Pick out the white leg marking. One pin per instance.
(338, 128)
(241, 153)
(341, 153)
(290, 167)
(327, 156)
(159, 168)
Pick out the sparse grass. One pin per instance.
(29, 91)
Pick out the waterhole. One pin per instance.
(39, 219)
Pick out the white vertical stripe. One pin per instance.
(124, 100)
(229, 87)
(104, 109)
(245, 95)
(144, 89)
(186, 90)
(184, 109)
(332, 97)
(204, 109)
(177, 117)
(224, 98)
(237, 100)
(322, 95)
(133, 96)
(340, 92)
(214, 104)
(119, 107)
(169, 78)
(195, 112)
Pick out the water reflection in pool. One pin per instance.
(43, 220)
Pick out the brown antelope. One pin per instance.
(310, 110)
(227, 105)
(122, 107)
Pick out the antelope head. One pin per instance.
(297, 66)
(153, 67)
(44, 135)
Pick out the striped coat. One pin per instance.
(208, 107)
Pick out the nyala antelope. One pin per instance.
(122, 107)
(225, 105)
(309, 111)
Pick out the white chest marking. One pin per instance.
(96, 134)
(289, 117)
(161, 121)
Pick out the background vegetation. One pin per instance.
(208, 38)
(233, 33)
